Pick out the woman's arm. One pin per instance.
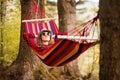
(36, 48)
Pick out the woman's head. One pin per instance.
(45, 35)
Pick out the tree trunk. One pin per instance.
(67, 14)
(110, 40)
(67, 19)
(2, 23)
(26, 64)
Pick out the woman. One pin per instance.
(45, 37)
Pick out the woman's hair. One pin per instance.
(40, 38)
(40, 34)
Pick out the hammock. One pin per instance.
(66, 48)
(63, 50)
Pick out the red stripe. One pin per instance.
(36, 31)
(57, 52)
(48, 49)
(25, 25)
(65, 54)
(57, 30)
(31, 31)
(46, 25)
(87, 46)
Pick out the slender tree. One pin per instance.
(110, 40)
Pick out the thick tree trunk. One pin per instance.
(26, 64)
(67, 19)
(67, 14)
(110, 40)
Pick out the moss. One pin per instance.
(43, 73)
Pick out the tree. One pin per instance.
(27, 66)
(110, 36)
(2, 23)
(67, 21)
(67, 14)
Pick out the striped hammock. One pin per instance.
(63, 50)
(36, 27)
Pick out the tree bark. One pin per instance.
(67, 15)
(2, 23)
(26, 64)
(67, 20)
(110, 40)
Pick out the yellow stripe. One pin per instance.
(69, 55)
(47, 53)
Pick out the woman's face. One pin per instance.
(45, 36)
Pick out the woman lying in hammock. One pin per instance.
(45, 37)
(45, 40)
(58, 54)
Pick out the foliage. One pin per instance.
(11, 31)
(11, 41)
(51, 8)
